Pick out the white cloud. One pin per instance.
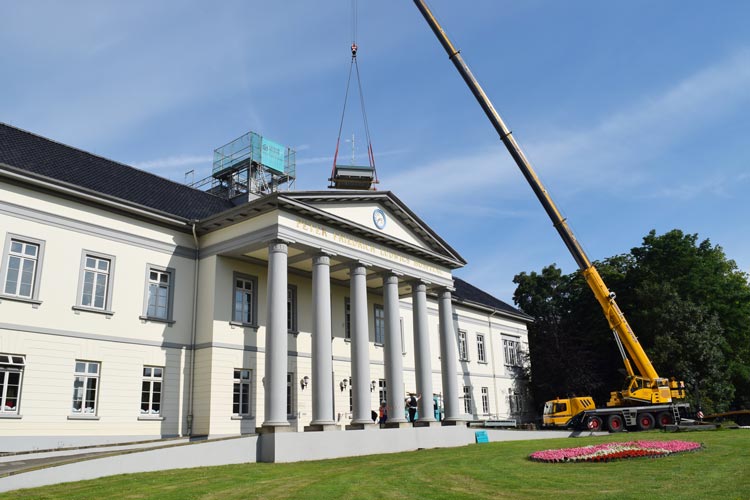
(609, 156)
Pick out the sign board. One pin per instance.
(481, 437)
(272, 155)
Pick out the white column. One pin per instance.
(360, 346)
(276, 337)
(422, 352)
(448, 357)
(394, 376)
(322, 364)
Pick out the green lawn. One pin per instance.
(495, 470)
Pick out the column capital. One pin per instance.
(390, 276)
(278, 246)
(321, 258)
(418, 284)
(445, 291)
(357, 268)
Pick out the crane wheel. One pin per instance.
(646, 421)
(615, 423)
(594, 423)
(663, 419)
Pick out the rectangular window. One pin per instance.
(480, 349)
(463, 350)
(11, 376)
(291, 309)
(467, 399)
(382, 393)
(21, 271)
(159, 294)
(515, 401)
(290, 385)
(85, 387)
(511, 351)
(95, 281)
(151, 390)
(243, 379)
(403, 339)
(379, 316)
(245, 299)
(347, 318)
(485, 400)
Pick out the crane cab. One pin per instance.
(558, 412)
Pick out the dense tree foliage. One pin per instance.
(688, 304)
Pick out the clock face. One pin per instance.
(378, 217)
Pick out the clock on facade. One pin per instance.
(378, 217)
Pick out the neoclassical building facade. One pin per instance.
(136, 308)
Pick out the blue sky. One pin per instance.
(636, 115)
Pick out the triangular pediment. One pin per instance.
(382, 214)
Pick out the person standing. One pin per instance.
(411, 404)
(383, 412)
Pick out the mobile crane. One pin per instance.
(646, 399)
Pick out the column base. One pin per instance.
(360, 427)
(273, 429)
(321, 427)
(397, 425)
(452, 422)
(426, 423)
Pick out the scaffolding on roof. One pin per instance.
(250, 164)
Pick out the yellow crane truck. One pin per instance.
(646, 399)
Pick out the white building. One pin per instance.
(136, 308)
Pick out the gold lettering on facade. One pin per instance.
(351, 242)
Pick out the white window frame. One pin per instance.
(481, 349)
(463, 345)
(106, 307)
(515, 401)
(347, 318)
(11, 364)
(251, 303)
(38, 260)
(485, 400)
(512, 351)
(170, 272)
(378, 318)
(291, 387)
(468, 406)
(83, 372)
(152, 376)
(291, 309)
(242, 392)
(382, 391)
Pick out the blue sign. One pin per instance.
(272, 155)
(481, 437)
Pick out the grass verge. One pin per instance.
(493, 470)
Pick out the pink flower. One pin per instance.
(614, 451)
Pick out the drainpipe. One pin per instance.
(193, 334)
(492, 348)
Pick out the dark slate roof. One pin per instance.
(469, 293)
(43, 157)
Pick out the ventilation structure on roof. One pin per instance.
(250, 164)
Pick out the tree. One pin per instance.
(699, 273)
(687, 303)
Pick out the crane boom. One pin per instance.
(657, 390)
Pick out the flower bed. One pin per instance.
(615, 451)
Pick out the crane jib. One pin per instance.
(605, 298)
